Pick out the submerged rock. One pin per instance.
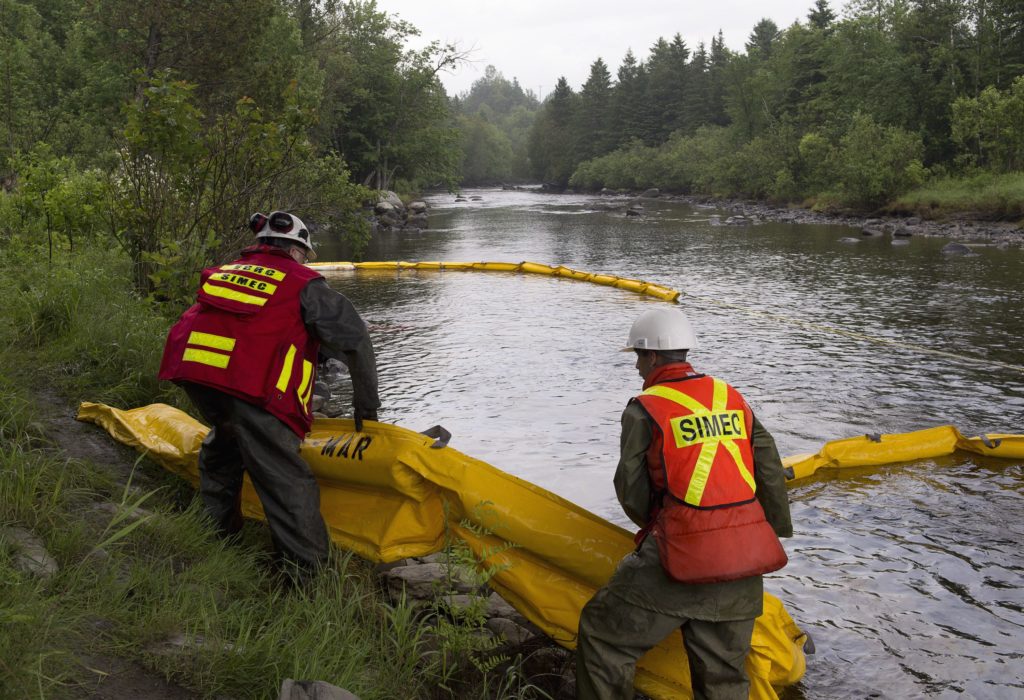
(957, 249)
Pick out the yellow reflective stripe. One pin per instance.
(709, 448)
(678, 397)
(307, 374)
(701, 472)
(734, 452)
(244, 282)
(286, 370)
(256, 270)
(231, 294)
(205, 357)
(720, 395)
(211, 341)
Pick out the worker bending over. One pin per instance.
(703, 479)
(246, 355)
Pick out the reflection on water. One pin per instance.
(908, 578)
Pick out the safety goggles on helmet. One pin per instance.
(281, 224)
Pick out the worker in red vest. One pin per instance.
(246, 355)
(703, 480)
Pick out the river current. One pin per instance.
(909, 578)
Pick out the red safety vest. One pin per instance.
(709, 525)
(246, 337)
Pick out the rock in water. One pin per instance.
(957, 249)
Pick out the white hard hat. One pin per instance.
(661, 329)
(281, 224)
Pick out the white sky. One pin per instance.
(537, 41)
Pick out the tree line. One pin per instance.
(157, 127)
(849, 110)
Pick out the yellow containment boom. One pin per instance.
(386, 493)
(876, 450)
(638, 286)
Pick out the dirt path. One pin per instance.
(114, 678)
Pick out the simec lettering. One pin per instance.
(335, 447)
(710, 426)
(247, 282)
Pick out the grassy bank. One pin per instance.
(140, 578)
(987, 196)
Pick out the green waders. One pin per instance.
(244, 438)
(640, 606)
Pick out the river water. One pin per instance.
(909, 577)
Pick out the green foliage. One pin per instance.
(990, 128)
(876, 163)
(55, 196)
(487, 153)
(494, 120)
(848, 112)
(182, 189)
(101, 340)
(383, 107)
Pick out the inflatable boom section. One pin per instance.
(876, 450)
(387, 493)
(638, 286)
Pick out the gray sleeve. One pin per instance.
(770, 481)
(333, 319)
(632, 484)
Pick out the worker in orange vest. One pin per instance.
(703, 480)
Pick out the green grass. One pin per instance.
(128, 584)
(79, 320)
(983, 196)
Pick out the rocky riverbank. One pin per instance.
(749, 213)
(1003, 234)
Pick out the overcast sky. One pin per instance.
(537, 41)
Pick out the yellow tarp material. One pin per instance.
(638, 286)
(876, 450)
(383, 493)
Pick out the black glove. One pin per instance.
(361, 413)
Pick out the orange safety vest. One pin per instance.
(245, 336)
(709, 525)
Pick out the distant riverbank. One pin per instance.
(1005, 234)
(965, 226)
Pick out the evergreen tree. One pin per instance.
(593, 129)
(665, 89)
(719, 64)
(821, 15)
(552, 152)
(759, 44)
(697, 91)
(628, 112)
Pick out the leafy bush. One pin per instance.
(184, 191)
(989, 129)
(875, 163)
